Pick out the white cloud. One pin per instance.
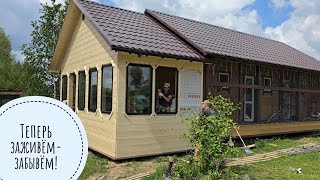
(278, 4)
(49, 1)
(302, 29)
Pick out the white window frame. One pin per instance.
(267, 88)
(249, 102)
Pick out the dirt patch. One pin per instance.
(306, 140)
(126, 169)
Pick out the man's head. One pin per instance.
(166, 87)
(204, 104)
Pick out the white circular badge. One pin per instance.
(41, 138)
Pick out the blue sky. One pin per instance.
(270, 16)
(294, 22)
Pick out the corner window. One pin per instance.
(139, 86)
(106, 89)
(267, 84)
(81, 90)
(166, 90)
(224, 78)
(93, 85)
(64, 87)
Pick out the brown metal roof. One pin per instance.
(131, 31)
(214, 40)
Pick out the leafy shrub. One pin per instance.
(209, 134)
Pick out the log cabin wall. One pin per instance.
(284, 101)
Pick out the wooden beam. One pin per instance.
(258, 103)
(10, 93)
(254, 130)
(236, 85)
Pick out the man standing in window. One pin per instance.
(165, 98)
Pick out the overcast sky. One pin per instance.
(294, 22)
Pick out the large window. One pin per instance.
(93, 85)
(81, 90)
(64, 87)
(72, 90)
(106, 89)
(139, 86)
(166, 90)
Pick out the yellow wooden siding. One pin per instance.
(142, 135)
(87, 50)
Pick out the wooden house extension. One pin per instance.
(133, 77)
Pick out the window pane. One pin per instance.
(267, 82)
(93, 83)
(166, 90)
(249, 93)
(224, 78)
(72, 79)
(64, 87)
(81, 90)
(248, 114)
(139, 89)
(249, 81)
(106, 91)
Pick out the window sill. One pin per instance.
(166, 114)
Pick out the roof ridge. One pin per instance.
(176, 33)
(99, 3)
(215, 26)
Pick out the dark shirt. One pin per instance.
(163, 102)
(207, 112)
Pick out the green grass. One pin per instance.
(268, 145)
(317, 139)
(158, 175)
(284, 168)
(94, 165)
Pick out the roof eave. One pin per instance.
(67, 28)
(210, 56)
(152, 53)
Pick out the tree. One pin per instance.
(11, 71)
(5, 47)
(38, 54)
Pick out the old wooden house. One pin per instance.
(116, 65)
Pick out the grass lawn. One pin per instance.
(281, 168)
(284, 168)
(94, 165)
(273, 144)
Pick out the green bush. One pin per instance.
(209, 135)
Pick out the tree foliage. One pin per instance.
(11, 76)
(38, 54)
(5, 47)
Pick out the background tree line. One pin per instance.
(31, 75)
